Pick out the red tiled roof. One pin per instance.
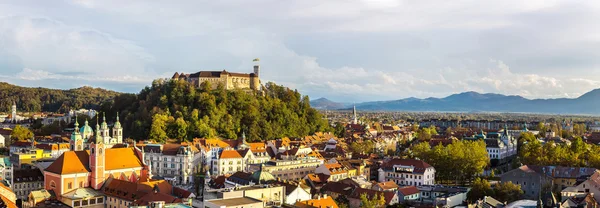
(408, 190)
(226, 154)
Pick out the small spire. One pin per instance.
(103, 117)
(117, 116)
(76, 124)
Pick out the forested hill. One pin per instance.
(30, 99)
(177, 110)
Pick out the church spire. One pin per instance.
(355, 119)
(76, 124)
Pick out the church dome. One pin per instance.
(262, 177)
(86, 129)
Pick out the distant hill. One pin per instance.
(588, 103)
(30, 99)
(324, 103)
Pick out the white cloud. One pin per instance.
(352, 50)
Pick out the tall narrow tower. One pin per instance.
(104, 131)
(97, 160)
(13, 110)
(76, 138)
(256, 66)
(355, 120)
(118, 131)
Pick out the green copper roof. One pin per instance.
(86, 128)
(262, 177)
(117, 123)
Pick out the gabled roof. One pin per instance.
(388, 185)
(229, 154)
(339, 188)
(70, 162)
(408, 190)
(78, 161)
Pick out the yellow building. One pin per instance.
(29, 156)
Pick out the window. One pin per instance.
(100, 200)
(80, 184)
(70, 185)
(84, 202)
(92, 201)
(76, 203)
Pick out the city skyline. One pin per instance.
(347, 51)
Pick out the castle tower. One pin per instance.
(76, 141)
(118, 131)
(256, 67)
(13, 110)
(97, 159)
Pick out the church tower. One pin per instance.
(355, 119)
(76, 138)
(118, 131)
(97, 159)
(104, 127)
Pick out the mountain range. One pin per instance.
(588, 103)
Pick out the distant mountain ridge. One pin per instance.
(324, 103)
(588, 103)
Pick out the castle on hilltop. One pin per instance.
(229, 80)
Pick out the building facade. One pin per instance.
(229, 80)
(174, 162)
(26, 181)
(407, 172)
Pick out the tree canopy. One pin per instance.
(20, 133)
(177, 110)
(458, 162)
(30, 99)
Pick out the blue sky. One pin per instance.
(345, 50)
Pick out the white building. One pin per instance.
(407, 172)
(296, 194)
(6, 169)
(228, 162)
(174, 162)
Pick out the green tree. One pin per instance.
(479, 189)
(340, 130)
(376, 201)
(20, 133)
(158, 130)
(508, 192)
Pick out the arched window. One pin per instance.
(52, 184)
(92, 151)
(99, 150)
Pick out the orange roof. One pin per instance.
(256, 146)
(70, 162)
(323, 202)
(230, 154)
(333, 165)
(7, 202)
(78, 161)
(388, 185)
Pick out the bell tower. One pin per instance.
(97, 159)
(76, 138)
(118, 131)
